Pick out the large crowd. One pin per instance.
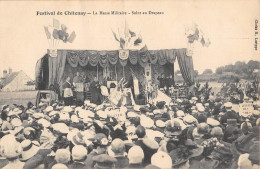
(188, 133)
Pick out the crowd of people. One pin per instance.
(188, 133)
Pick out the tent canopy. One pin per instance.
(75, 58)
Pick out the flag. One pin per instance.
(196, 34)
(126, 30)
(115, 36)
(143, 49)
(202, 41)
(122, 43)
(207, 43)
(137, 41)
(191, 38)
(56, 23)
(132, 33)
(72, 37)
(48, 34)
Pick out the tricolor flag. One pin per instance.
(115, 36)
(137, 41)
(122, 43)
(56, 23)
(48, 34)
(72, 37)
(132, 33)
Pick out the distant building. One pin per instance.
(15, 81)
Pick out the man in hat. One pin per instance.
(149, 146)
(104, 161)
(79, 155)
(118, 148)
(78, 83)
(100, 142)
(136, 156)
(230, 114)
(11, 149)
(96, 96)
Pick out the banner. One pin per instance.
(246, 109)
(123, 54)
(79, 87)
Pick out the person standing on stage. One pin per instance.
(68, 94)
(96, 96)
(79, 90)
(162, 83)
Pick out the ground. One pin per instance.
(23, 97)
(20, 98)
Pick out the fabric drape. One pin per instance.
(52, 70)
(186, 66)
(38, 73)
(61, 61)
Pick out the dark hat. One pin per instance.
(104, 161)
(100, 139)
(183, 153)
(202, 118)
(172, 128)
(160, 104)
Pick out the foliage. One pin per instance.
(207, 71)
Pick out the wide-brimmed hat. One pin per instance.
(48, 109)
(44, 123)
(61, 128)
(100, 139)
(161, 160)
(172, 127)
(16, 122)
(182, 154)
(29, 149)
(9, 147)
(146, 121)
(79, 152)
(77, 139)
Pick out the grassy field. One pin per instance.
(20, 98)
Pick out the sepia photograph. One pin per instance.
(130, 84)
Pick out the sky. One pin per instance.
(230, 26)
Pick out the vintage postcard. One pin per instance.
(81, 72)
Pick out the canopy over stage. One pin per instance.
(53, 70)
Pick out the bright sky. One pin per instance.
(229, 25)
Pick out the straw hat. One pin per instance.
(29, 149)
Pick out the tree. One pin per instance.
(196, 73)
(219, 70)
(207, 71)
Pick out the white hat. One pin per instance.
(180, 113)
(44, 122)
(189, 119)
(15, 111)
(213, 122)
(132, 114)
(16, 122)
(179, 100)
(79, 152)
(38, 115)
(59, 166)
(201, 108)
(61, 127)
(160, 123)
(62, 156)
(48, 109)
(89, 113)
(198, 104)
(123, 109)
(29, 149)
(135, 155)
(74, 119)
(72, 133)
(194, 98)
(146, 121)
(256, 112)
(52, 113)
(87, 120)
(102, 114)
(228, 105)
(67, 109)
(64, 116)
(161, 160)
(86, 102)
(137, 107)
(9, 147)
(157, 111)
